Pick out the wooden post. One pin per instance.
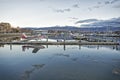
(47, 38)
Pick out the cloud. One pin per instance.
(96, 6)
(62, 10)
(116, 6)
(114, 1)
(98, 2)
(21, 1)
(87, 21)
(114, 22)
(67, 9)
(59, 11)
(74, 18)
(104, 3)
(41, 0)
(90, 9)
(111, 2)
(107, 2)
(75, 6)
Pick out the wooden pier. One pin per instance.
(63, 43)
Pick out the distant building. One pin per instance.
(42, 32)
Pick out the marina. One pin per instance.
(59, 55)
(59, 39)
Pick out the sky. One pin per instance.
(47, 13)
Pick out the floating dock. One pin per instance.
(63, 43)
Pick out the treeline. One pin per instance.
(7, 28)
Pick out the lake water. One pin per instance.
(55, 62)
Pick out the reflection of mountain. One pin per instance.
(61, 54)
(27, 73)
(38, 66)
(36, 48)
(67, 56)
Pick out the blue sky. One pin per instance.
(45, 13)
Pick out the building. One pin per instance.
(42, 32)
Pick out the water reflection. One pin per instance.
(116, 71)
(79, 46)
(26, 75)
(1, 45)
(112, 47)
(67, 56)
(36, 48)
(64, 47)
(61, 54)
(76, 62)
(74, 59)
(10, 46)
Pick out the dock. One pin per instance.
(62, 43)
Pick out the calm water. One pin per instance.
(19, 62)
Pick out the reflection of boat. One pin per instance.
(1, 45)
(36, 47)
(27, 74)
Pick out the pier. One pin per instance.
(63, 43)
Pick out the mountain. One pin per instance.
(73, 28)
(55, 28)
(93, 25)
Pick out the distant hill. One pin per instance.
(73, 28)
